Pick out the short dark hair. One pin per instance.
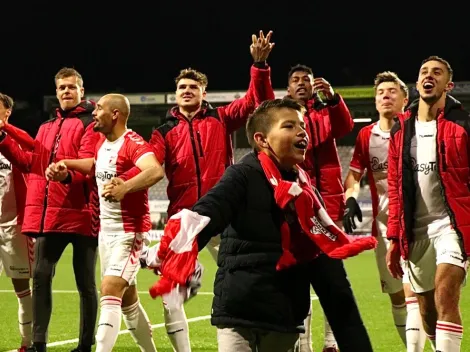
(389, 76)
(7, 101)
(442, 61)
(299, 68)
(197, 76)
(66, 72)
(263, 117)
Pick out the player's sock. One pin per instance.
(109, 323)
(25, 316)
(330, 340)
(399, 318)
(415, 335)
(305, 340)
(432, 340)
(448, 336)
(177, 328)
(138, 324)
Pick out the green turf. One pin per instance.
(374, 306)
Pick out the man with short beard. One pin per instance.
(58, 214)
(429, 193)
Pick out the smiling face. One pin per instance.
(189, 93)
(286, 140)
(434, 81)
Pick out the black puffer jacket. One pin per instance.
(249, 291)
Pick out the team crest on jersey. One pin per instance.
(113, 160)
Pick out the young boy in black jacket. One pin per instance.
(272, 223)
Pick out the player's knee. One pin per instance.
(130, 296)
(113, 286)
(446, 298)
(397, 298)
(20, 285)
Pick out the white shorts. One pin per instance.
(388, 283)
(426, 254)
(16, 252)
(120, 254)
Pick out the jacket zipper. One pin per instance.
(55, 147)
(196, 158)
(198, 135)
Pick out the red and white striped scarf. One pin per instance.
(176, 256)
(312, 217)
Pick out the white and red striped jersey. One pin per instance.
(8, 211)
(371, 154)
(112, 159)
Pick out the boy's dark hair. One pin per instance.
(442, 61)
(389, 76)
(299, 68)
(6, 101)
(197, 76)
(66, 72)
(264, 117)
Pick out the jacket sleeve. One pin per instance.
(337, 120)
(87, 150)
(25, 141)
(237, 112)
(220, 204)
(358, 162)
(18, 157)
(157, 141)
(393, 188)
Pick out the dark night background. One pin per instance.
(139, 47)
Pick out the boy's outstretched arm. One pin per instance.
(221, 203)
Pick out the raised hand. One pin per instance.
(261, 46)
(322, 85)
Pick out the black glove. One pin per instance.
(352, 210)
(195, 283)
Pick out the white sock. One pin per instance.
(177, 328)
(25, 316)
(399, 318)
(432, 340)
(448, 336)
(138, 324)
(415, 335)
(330, 340)
(305, 340)
(109, 323)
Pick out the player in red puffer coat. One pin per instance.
(57, 214)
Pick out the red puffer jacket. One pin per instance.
(53, 207)
(196, 152)
(453, 163)
(322, 162)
